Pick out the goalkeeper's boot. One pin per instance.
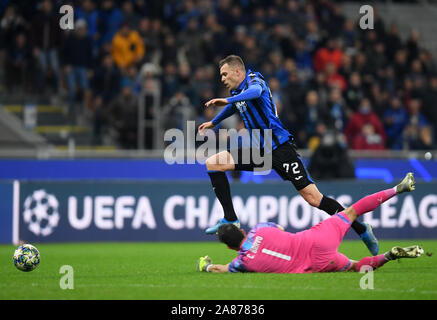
(407, 184)
(408, 252)
(214, 229)
(370, 240)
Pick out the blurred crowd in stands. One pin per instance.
(325, 73)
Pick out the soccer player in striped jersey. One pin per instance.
(251, 97)
(269, 249)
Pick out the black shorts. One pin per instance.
(284, 160)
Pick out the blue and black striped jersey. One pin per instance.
(258, 111)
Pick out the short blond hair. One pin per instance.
(233, 61)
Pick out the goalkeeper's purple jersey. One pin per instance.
(269, 249)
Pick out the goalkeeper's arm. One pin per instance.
(218, 268)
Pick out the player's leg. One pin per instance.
(340, 262)
(371, 202)
(312, 195)
(394, 254)
(328, 234)
(326, 237)
(289, 166)
(217, 165)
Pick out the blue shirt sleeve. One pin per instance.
(264, 225)
(237, 265)
(228, 111)
(252, 92)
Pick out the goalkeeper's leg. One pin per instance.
(394, 254)
(371, 202)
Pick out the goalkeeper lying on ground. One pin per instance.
(268, 248)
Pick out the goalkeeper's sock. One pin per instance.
(374, 262)
(373, 201)
(220, 184)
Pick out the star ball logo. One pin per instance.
(41, 213)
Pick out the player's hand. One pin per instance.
(203, 263)
(204, 126)
(216, 103)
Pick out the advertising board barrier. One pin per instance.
(181, 211)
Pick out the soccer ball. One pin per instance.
(26, 257)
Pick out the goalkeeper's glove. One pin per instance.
(203, 263)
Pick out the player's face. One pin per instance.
(230, 76)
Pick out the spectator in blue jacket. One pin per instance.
(395, 119)
(88, 13)
(110, 19)
(417, 133)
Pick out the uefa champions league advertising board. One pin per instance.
(181, 211)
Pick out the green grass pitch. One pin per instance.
(155, 271)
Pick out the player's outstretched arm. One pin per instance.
(219, 268)
(254, 91)
(227, 111)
